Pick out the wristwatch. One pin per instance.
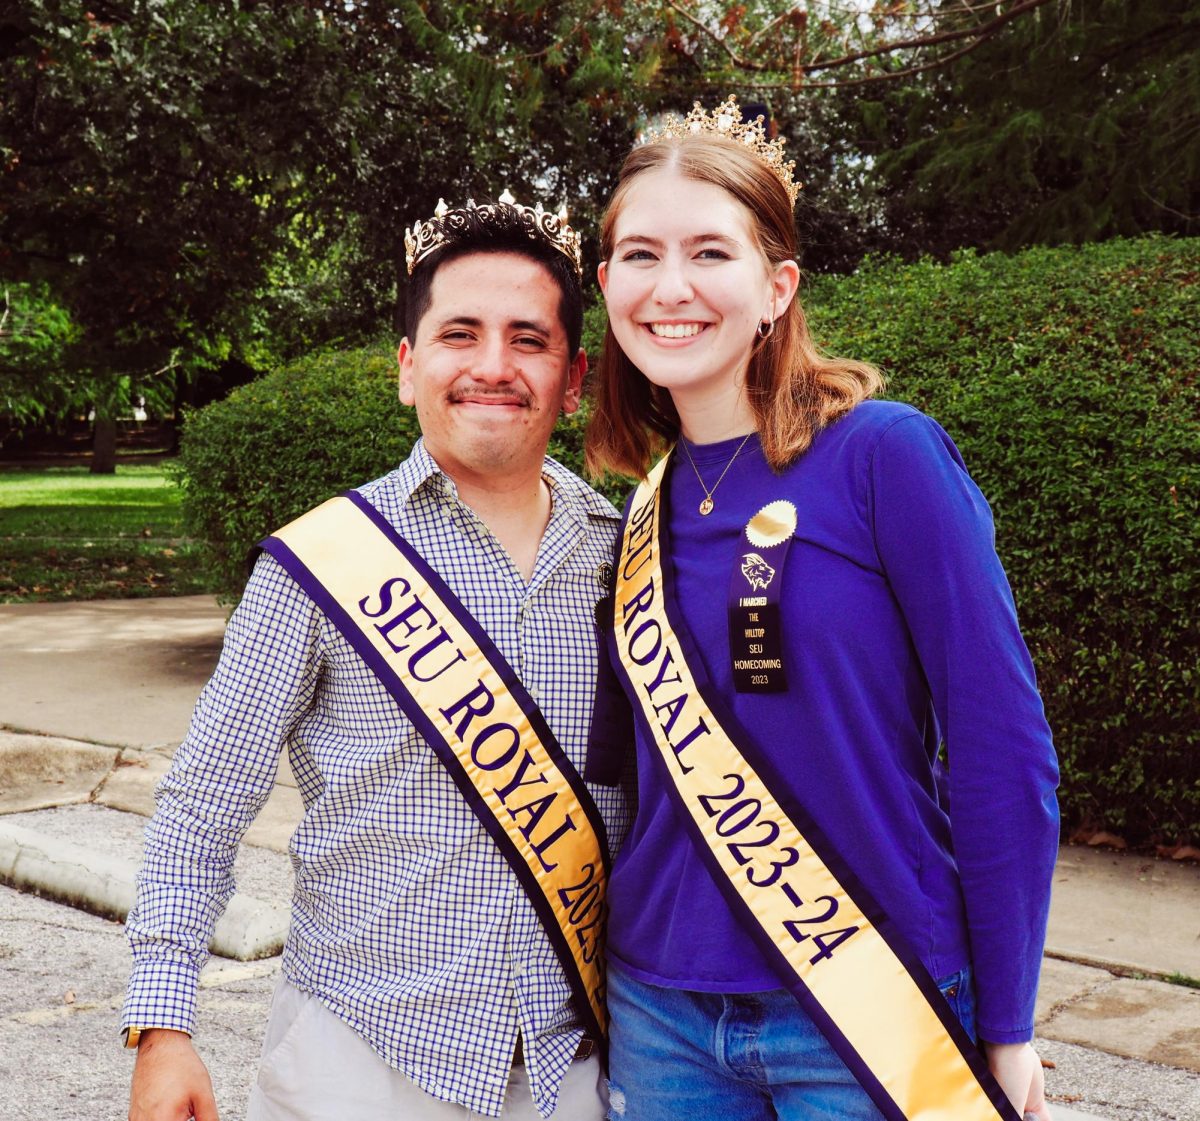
(132, 1035)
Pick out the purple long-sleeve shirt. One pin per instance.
(899, 632)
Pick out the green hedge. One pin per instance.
(282, 444)
(1068, 378)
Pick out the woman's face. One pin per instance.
(687, 286)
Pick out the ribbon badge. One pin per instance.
(755, 621)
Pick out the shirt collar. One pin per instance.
(420, 471)
(576, 496)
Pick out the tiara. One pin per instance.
(726, 120)
(446, 226)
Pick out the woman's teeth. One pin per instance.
(676, 330)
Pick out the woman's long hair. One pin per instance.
(792, 388)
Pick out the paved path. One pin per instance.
(93, 699)
(123, 672)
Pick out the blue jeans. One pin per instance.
(677, 1055)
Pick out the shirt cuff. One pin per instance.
(988, 1035)
(161, 994)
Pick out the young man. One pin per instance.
(416, 646)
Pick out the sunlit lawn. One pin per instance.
(67, 534)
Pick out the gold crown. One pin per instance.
(726, 120)
(425, 237)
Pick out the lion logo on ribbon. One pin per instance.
(756, 570)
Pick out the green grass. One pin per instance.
(1182, 979)
(66, 534)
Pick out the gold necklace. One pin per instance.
(706, 507)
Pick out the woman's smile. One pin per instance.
(676, 330)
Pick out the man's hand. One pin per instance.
(1018, 1069)
(170, 1083)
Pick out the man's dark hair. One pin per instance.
(498, 229)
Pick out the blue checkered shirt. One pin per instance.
(406, 920)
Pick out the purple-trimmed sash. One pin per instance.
(462, 696)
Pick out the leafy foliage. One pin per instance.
(1068, 379)
(150, 153)
(1081, 124)
(470, 98)
(35, 336)
(201, 181)
(284, 443)
(921, 128)
(827, 45)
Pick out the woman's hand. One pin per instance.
(1018, 1069)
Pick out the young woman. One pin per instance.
(806, 922)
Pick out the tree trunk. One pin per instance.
(104, 444)
(111, 400)
(182, 396)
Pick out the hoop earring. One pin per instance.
(770, 329)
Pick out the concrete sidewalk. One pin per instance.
(95, 696)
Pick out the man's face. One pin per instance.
(489, 367)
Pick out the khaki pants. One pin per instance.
(317, 1068)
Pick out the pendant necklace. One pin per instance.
(706, 507)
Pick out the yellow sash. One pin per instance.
(466, 700)
(885, 1017)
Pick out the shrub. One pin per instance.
(1068, 377)
(284, 443)
(566, 445)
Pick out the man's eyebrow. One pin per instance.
(477, 323)
(530, 325)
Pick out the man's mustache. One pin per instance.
(504, 396)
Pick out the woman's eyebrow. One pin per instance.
(656, 243)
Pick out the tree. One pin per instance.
(473, 98)
(188, 176)
(196, 182)
(922, 127)
(812, 68)
(152, 152)
(1082, 124)
(769, 47)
